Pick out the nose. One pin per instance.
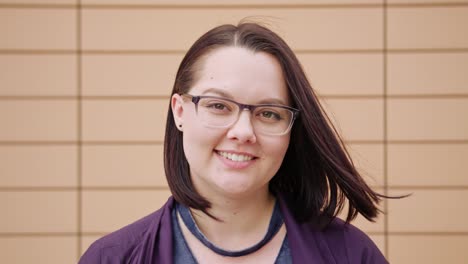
(242, 130)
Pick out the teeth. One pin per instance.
(235, 157)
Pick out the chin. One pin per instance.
(234, 188)
(239, 190)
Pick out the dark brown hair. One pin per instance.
(317, 174)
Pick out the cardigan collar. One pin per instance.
(306, 243)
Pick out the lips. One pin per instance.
(237, 157)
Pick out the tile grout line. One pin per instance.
(113, 98)
(108, 188)
(160, 142)
(462, 233)
(105, 188)
(226, 6)
(79, 129)
(136, 51)
(385, 126)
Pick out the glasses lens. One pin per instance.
(217, 112)
(272, 120)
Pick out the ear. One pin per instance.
(177, 105)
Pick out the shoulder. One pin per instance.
(338, 242)
(121, 244)
(353, 243)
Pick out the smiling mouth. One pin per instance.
(235, 157)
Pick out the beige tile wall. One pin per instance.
(84, 88)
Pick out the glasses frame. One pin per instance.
(196, 99)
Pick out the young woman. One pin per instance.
(257, 172)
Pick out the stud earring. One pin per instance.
(180, 125)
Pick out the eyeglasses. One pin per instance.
(268, 119)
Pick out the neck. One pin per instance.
(243, 220)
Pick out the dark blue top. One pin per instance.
(183, 255)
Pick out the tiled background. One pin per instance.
(84, 87)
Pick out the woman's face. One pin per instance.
(245, 77)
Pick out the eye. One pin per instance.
(217, 106)
(270, 115)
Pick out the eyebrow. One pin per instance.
(218, 92)
(227, 95)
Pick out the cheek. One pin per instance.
(198, 142)
(278, 148)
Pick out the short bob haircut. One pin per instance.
(317, 174)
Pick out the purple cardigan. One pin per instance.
(149, 240)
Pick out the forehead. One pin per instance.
(241, 73)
